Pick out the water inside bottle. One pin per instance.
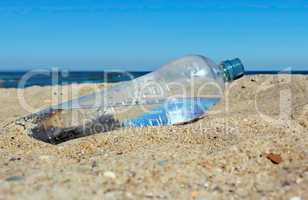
(63, 125)
(173, 111)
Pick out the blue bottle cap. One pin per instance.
(233, 69)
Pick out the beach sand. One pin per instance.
(247, 148)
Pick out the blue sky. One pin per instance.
(142, 35)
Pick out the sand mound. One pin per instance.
(224, 155)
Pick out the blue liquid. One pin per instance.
(174, 112)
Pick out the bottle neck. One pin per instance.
(233, 69)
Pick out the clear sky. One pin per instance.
(142, 35)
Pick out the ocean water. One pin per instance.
(13, 79)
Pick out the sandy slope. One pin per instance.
(223, 155)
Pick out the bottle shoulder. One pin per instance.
(194, 65)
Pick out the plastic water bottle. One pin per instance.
(179, 92)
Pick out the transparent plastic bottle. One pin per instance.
(179, 92)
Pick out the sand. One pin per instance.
(247, 148)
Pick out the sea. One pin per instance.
(16, 79)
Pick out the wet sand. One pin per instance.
(247, 148)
